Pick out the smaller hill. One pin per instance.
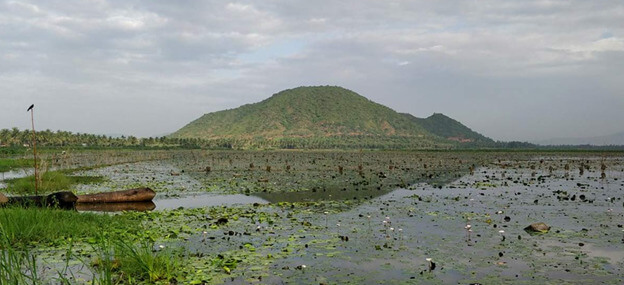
(450, 129)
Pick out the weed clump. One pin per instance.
(51, 181)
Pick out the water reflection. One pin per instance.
(116, 207)
(346, 191)
(206, 200)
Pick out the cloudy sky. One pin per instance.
(511, 70)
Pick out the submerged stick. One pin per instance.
(34, 141)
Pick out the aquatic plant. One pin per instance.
(140, 261)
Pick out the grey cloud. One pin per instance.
(509, 69)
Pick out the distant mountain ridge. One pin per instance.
(328, 113)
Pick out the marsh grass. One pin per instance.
(17, 264)
(23, 226)
(140, 261)
(7, 164)
(125, 262)
(104, 264)
(51, 181)
(23, 230)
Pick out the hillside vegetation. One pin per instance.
(326, 116)
(304, 112)
(443, 126)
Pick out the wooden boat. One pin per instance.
(143, 194)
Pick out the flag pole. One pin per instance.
(34, 141)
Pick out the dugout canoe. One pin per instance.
(144, 194)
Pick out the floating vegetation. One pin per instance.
(426, 219)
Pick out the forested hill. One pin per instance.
(304, 112)
(443, 126)
(331, 115)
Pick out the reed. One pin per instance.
(17, 264)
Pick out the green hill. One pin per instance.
(445, 127)
(316, 117)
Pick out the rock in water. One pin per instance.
(3, 199)
(537, 228)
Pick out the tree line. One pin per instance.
(47, 138)
(15, 138)
(11, 138)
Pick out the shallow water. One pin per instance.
(432, 224)
(199, 200)
(392, 230)
(14, 174)
(205, 200)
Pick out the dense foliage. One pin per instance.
(308, 112)
(13, 140)
(16, 137)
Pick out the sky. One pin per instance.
(511, 70)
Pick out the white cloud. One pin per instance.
(602, 45)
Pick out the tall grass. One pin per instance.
(17, 264)
(119, 261)
(104, 264)
(140, 262)
(51, 181)
(125, 262)
(7, 164)
(44, 225)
